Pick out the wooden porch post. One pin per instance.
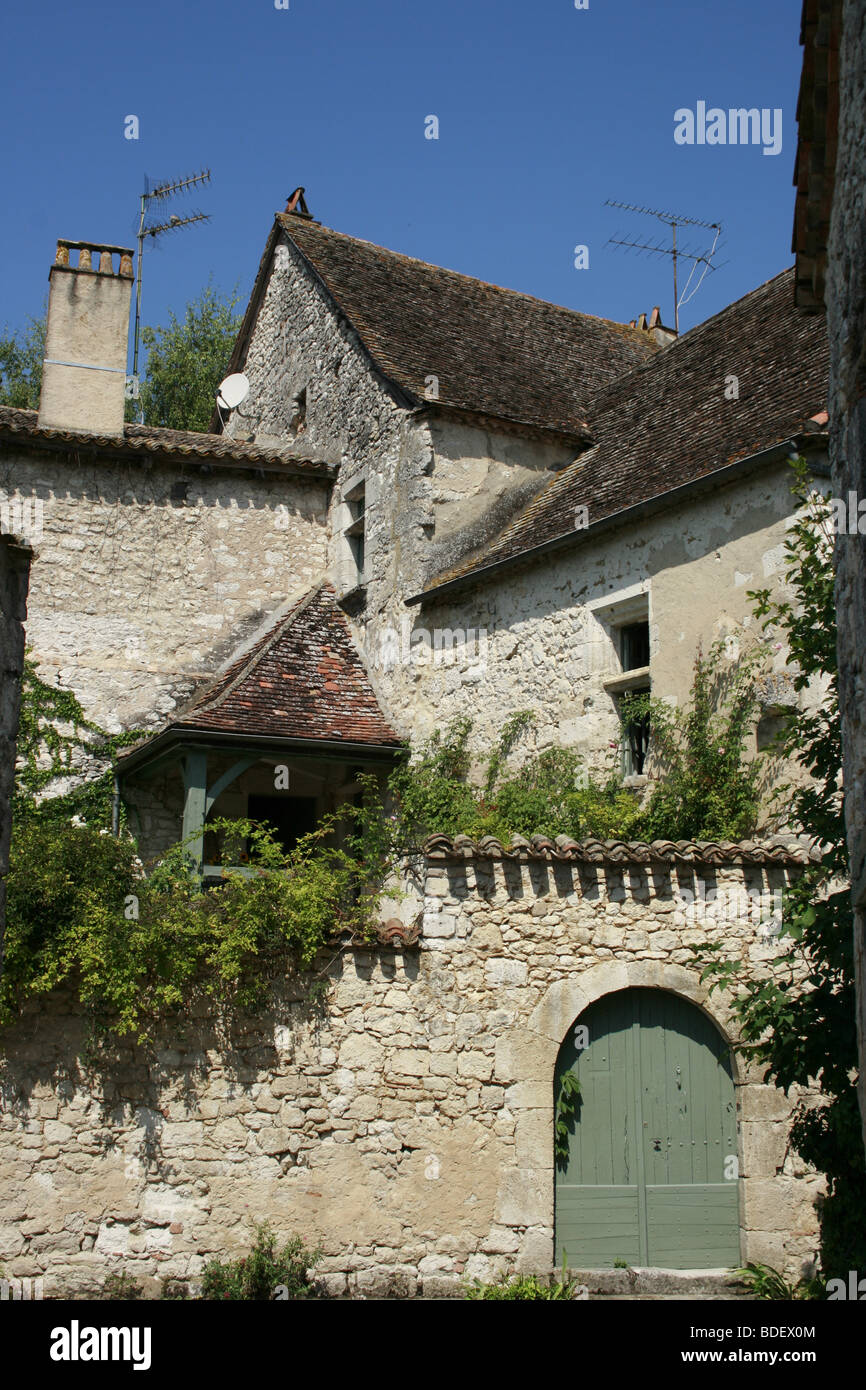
(195, 806)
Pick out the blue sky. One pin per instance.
(544, 112)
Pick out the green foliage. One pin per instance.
(799, 1020)
(707, 790)
(21, 357)
(80, 912)
(567, 1102)
(523, 1286)
(767, 1283)
(186, 360)
(551, 794)
(121, 1288)
(56, 740)
(267, 1273)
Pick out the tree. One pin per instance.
(21, 356)
(799, 1020)
(186, 360)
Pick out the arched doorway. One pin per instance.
(650, 1176)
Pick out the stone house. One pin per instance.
(438, 496)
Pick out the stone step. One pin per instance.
(661, 1284)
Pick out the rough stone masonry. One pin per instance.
(406, 1125)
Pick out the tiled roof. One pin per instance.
(23, 425)
(669, 423)
(303, 680)
(495, 352)
(780, 850)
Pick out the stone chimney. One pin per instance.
(84, 374)
(654, 325)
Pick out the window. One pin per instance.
(288, 817)
(635, 737)
(634, 646)
(355, 530)
(625, 615)
(772, 727)
(299, 416)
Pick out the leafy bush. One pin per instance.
(551, 794)
(79, 911)
(265, 1274)
(525, 1286)
(707, 790)
(767, 1283)
(121, 1288)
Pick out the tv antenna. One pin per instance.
(156, 194)
(673, 220)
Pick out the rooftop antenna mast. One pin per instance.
(673, 220)
(157, 194)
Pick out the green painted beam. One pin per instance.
(194, 805)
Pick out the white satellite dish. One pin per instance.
(233, 391)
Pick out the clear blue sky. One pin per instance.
(545, 111)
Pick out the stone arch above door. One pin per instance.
(566, 999)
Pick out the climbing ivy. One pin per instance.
(567, 1102)
(57, 741)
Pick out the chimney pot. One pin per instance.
(62, 257)
(84, 262)
(126, 264)
(105, 266)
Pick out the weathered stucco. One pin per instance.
(544, 637)
(407, 1126)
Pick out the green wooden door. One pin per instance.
(651, 1171)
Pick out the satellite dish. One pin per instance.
(233, 391)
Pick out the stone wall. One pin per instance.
(14, 573)
(846, 322)
(407, 1126)
(352, 416)
(147, 577)
(544, 637)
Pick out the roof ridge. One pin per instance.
(18, 421)
(476, 279)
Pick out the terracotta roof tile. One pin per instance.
(781, 850)
(304, 679)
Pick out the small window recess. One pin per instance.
(299, 414)
(355, 500)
